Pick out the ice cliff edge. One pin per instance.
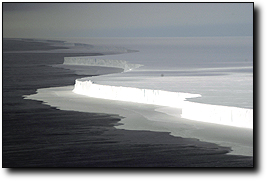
(88, 61)
(131, 94)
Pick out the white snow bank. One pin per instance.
(88, 61)
(224, 115)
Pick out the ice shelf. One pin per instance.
(225, 115)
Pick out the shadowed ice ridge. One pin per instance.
(223, 115)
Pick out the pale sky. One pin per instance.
(48, 20)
